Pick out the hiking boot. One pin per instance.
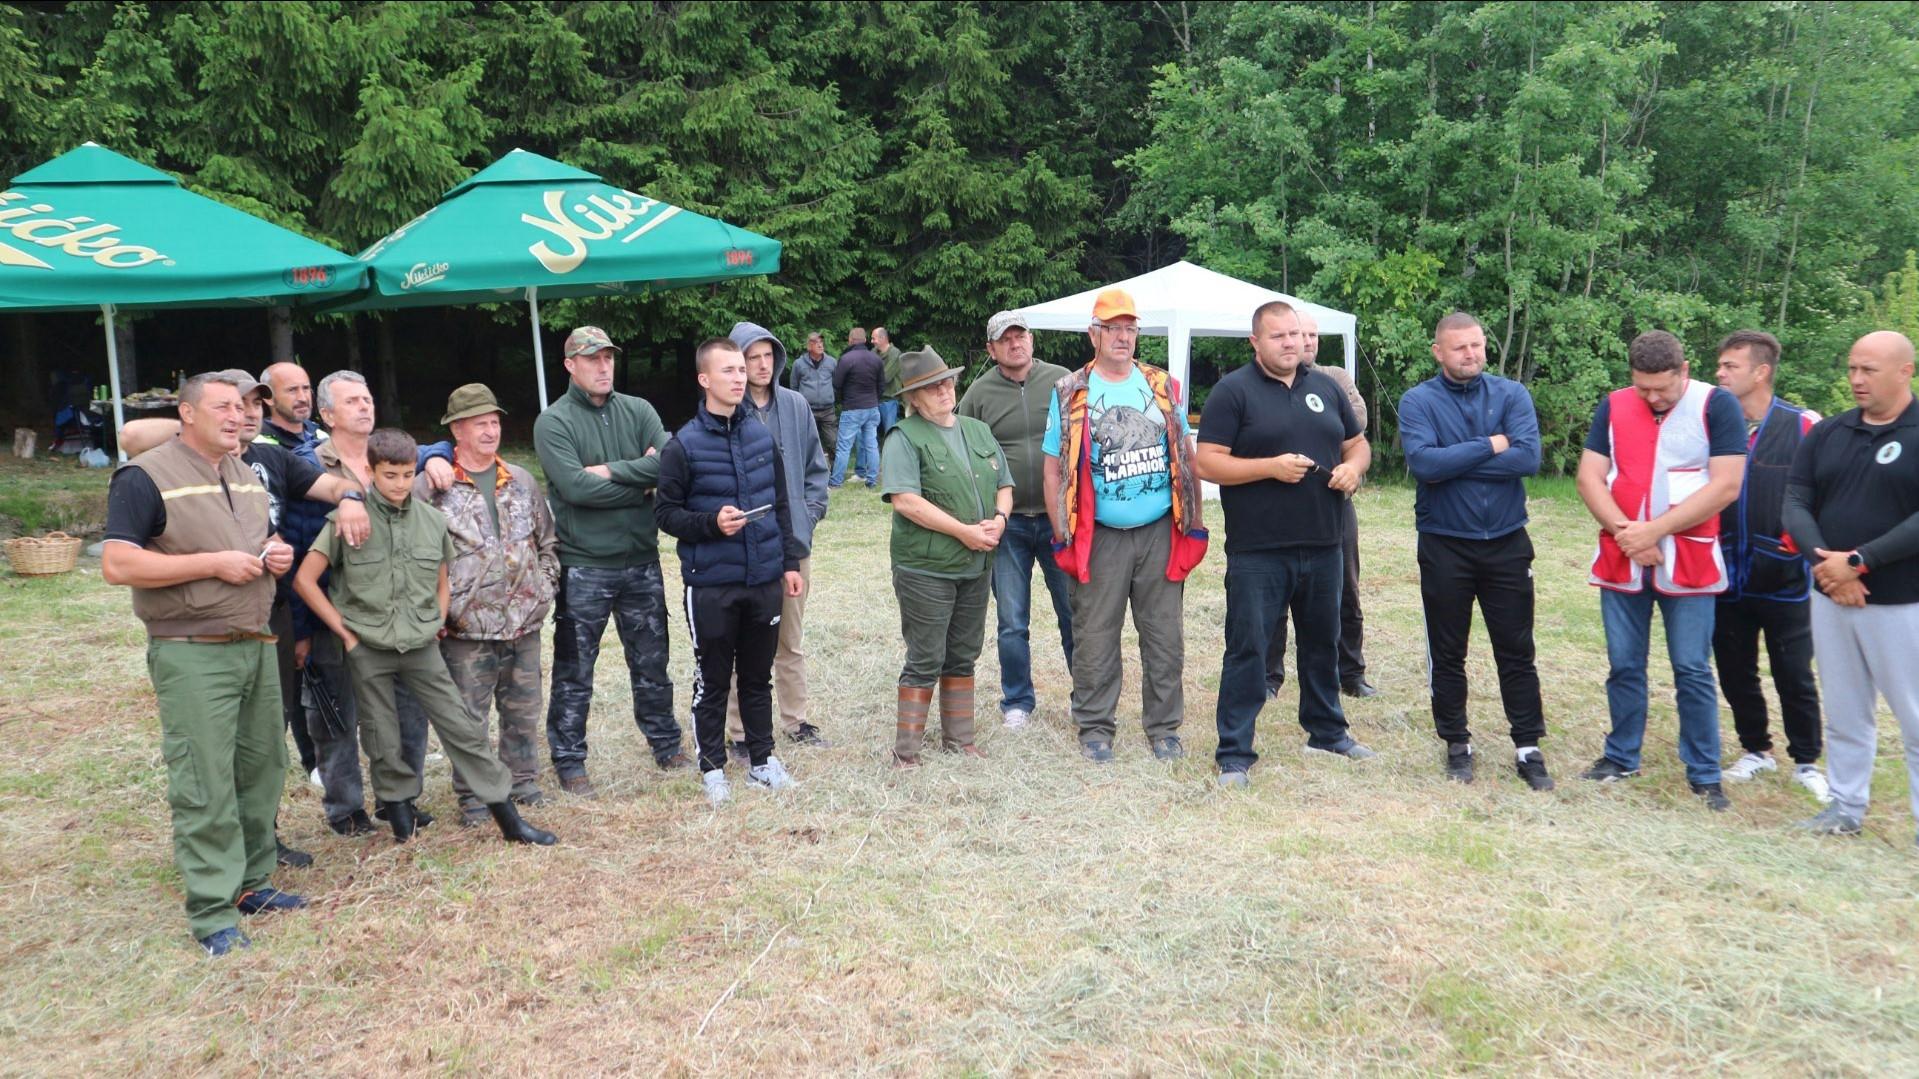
(356, 823)
(772, 775)
(1097, 752)
(809, 735)
(1232, 780)
(1713, 795)
(289, 857)
(674, 761)
(268, 901)
(577, 785)
(1349, 749)
(1831, 820)
(1810, 777)
(1751, 765)
(1168, 748)
(736, 753)
(221, 941)
(1532, 768)
(718, 790)
(1015, 718)
(1459, 762)
(515, 830)
(1360, 690)
(1606, 770)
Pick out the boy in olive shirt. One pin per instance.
(392, 600)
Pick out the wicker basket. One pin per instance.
(42, 556)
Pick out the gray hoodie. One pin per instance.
(794, 432)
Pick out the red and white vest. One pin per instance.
(1657, 465)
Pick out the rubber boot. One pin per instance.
(956, 716)
(909, 733)
(399, 815)
(516, 830)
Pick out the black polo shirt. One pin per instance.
(1861, 482)
(1253, 414)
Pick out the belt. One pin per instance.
(223, 638)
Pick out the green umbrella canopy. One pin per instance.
(529, 227)
(91, 228)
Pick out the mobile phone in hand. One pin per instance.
(758, 512)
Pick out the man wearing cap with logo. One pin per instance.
(1852, 506)
(1284, 446)
(600, 452)
(812, 378)
(505, 568)
(951, 492)
(188, 530)
(1125, 506)
(1665, 455)
(1012, 399)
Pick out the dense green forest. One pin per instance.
(1571, 172)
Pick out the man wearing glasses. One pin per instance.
(1123, 499)
(1283, 444)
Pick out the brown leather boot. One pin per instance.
(910, 731)
(956, 716)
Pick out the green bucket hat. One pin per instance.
(924, 368)
(472, 399)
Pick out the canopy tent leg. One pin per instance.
(539, 353)
(113, 380)
(1179, 361)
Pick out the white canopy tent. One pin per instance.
(1184, 301)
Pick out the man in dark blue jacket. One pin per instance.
(1471, 438)
(722, 494)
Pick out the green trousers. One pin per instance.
(220, 733)
(464, 737)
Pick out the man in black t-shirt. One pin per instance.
(1286, 450)
(1852, 507)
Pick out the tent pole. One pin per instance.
(539, 354)
(113, 380)
(1179, 361)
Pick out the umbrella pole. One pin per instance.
(113, 380)
(539, 354)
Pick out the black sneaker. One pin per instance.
(268, 901)
(1714, 797)
(1532, 769)
(1360, 690)
(1606, 770)
(222, 941)
(1168, 748)
(1097, 752)
(357, 823)
(1459, 762)
(291, 858)
(809, 735)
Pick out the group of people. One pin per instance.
(358, 588)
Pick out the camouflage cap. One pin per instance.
(588, 339)
(997, 326)
(470, 400)
(248, 384)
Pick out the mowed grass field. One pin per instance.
(1025, 913)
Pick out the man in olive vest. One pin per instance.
(188, 531)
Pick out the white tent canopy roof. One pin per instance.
(1189, 298)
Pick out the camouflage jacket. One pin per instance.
(502, 587)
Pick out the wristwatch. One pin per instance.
(1857, 562)
(354, 496)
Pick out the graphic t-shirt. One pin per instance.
(1132, 480)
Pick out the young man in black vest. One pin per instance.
(1769, 582)
(722, 494)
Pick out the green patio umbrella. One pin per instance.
(528, 227)
(92, 229)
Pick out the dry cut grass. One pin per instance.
(1026, 913)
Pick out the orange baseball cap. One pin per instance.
(1114, 303)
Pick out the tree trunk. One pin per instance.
(280, 334)
(123, 340)
(26, 383)
(388, 401)
(355, 360)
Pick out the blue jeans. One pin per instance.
(889, 414)
(1689, 620)
(863, 424)
(1261, 586)
(1029, 537)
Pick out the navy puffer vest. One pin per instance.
(1752, 530)
(730, 462)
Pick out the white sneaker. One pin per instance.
(1751, 765)
(314, 778)
(771, 775)
(718, 791)
(1810, 777)
(1015, 718)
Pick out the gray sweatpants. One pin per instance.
(1864, 652)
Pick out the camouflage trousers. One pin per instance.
(505, 675)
